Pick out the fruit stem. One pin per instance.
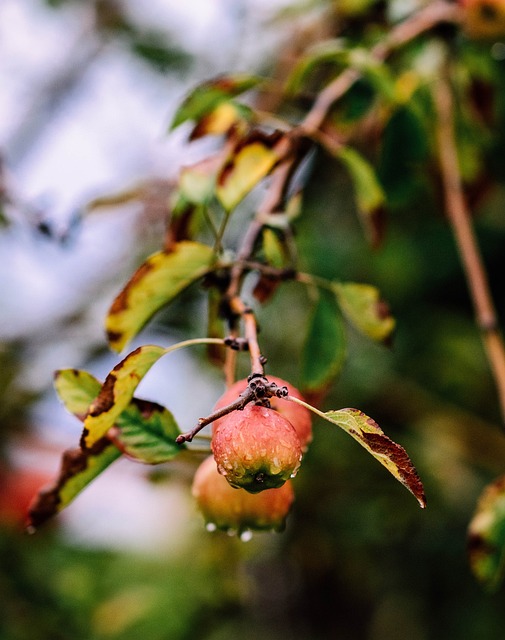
(244, 398)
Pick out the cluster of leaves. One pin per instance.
(115, 422)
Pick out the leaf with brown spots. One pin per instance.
(155, 283)
(78, 469)
(486, 536)
(362, 306)
(370, 436)
(117, 392)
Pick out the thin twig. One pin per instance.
(424, 20)
(460, 221)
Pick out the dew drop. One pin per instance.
(246, 535)
(211, 526)
(231, 532)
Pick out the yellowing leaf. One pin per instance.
(221, 120)
(370, 436)
(362, 306)
(117, 392)
(78, 468)
(155, 283)
(273, 248)
(248, 166)
(77, 390)
(486, 536)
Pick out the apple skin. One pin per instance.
(299, 417)
(483, 19)
(256, 448)
(236, 510)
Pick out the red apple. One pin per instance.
(299, 416)
(256, 448)
(229, 509)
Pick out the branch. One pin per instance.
(424, 20)
(460, 221)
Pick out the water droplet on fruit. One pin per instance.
(246, 535)
(211, 526)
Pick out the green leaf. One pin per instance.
(369, 193)
(117, 392)
(375, 71)
(78, 468)
(329, 51)
(362, 306)
(147, 432)
(209, 95)
(77, 390)
(404, 150)
(486, 536)
(246, 168)
(155, 283)
(370, 436)
(324, 349)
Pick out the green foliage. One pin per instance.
(147, 432)
(209, 95)
(324, 348)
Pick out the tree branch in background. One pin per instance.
(460, 221)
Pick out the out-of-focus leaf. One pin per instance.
(324, 349)
(147, 432)
(273, 248)
(370, 196)
(76, 389)
(78, 468)
(152, 48)
(329, 51)
(117, 392)
(363, 307)
(221, 119)
(404, 148)
(375, 71)
(246, 168)
(370, 436)
(197, 182)
(486, 536)
(155, 283)
(207, 96)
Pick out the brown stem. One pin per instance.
(424, 20)
(460, 221)
(251, 335)
(238, 404)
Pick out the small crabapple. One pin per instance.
(299, 416)
(224, 507)
(256, 448)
